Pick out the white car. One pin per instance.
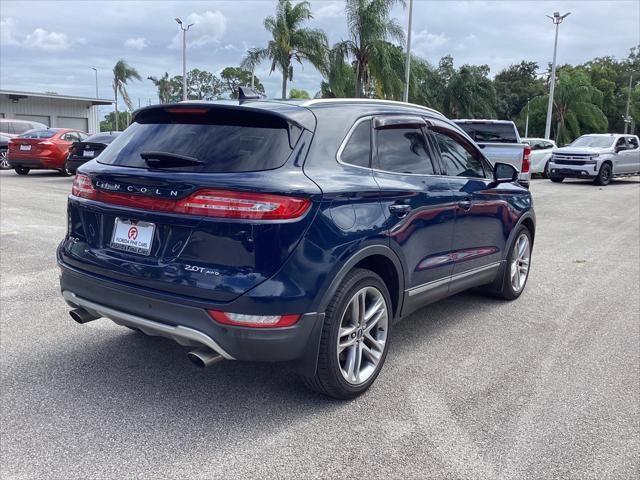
(540, 154)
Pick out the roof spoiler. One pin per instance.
(247, 93)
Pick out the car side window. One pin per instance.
(357, 150)
(621, 143)
(459, 157)
(403, 150)
(633, 142)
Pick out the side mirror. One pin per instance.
(504, 173)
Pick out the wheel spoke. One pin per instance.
(345, 344)
(373, 355)
(346, 331)
(358, 362)
(351, 362)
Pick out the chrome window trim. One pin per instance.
(348, 137)
(436, 283)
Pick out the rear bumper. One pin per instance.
(74, 163)
(32, 163)
(166, 316)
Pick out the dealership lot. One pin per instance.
(544, 387)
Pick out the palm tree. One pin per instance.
(370, 29)
(576, 106)
(290, 42)
(122, 73)
(470, 93)
(163, 84)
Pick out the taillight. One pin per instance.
(206, 203)
(255, 321)
(45, 142)
(83, 188)
(526, 159)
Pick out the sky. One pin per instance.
(52, 45)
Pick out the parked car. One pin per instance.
(293, 232)
(88, 149)
(10, 128)
(541, 149)
(42, 149)
(500, 142)
(597, 157)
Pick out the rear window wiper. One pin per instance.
(167, 160)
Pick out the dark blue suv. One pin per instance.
(293, 232)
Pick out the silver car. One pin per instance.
(596, 157)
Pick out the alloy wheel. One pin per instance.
(520, 259)
(362, 335)
(4, 162)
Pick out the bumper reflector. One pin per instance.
(255, 321)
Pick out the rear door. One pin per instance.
(483, 219)
(418, 203)
(630, 158)
(217, 206)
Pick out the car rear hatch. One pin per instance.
(85, 150)
(214, 208)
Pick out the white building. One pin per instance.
(53, 110)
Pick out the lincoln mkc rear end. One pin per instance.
(290, 232)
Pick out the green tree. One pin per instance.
(298, 93)
(122, 74)
(577, 107)
(470, 93)
(234, 77)
(339, 79)
(370, 29)
(515, 86)
(203, 85)
(289, 42)
(109, 122)
(163, 84)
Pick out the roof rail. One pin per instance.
(316, 101)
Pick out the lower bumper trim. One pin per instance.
(185, 336)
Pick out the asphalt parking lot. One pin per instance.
(544, 387)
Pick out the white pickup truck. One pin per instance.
(597, 157)
(500, 142)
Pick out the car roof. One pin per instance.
(300, 111)
(480, 120)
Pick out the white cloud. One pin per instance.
(425, 42)
(207, 28)
(137, 43)
(46, 40)
(334, 9)
(7, 31)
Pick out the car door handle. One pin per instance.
(399, 209)
(465, 204)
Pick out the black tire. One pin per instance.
(502, 287)
(604, 175)
(556, 179)
(328, 379)
(21, 170)
(64, 171)
(4, 162)
(545, 172)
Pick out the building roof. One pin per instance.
(14, 94)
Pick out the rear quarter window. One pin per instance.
(225, 141)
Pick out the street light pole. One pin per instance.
(627, 118)
(557, 20)
(184, 56)
(407, 62)
(526, 125)
(96, 70)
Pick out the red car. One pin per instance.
(42, 149)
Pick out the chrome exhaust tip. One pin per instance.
(81, 315)
(203, 358)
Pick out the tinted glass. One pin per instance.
(357, 151)
(230, 142)
(490, 132)
(459, 158)
(39, 134)
(593, 141)
(633, 142)
(105, 138)
(21, 127)
(403, 150)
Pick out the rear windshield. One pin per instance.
(491, 132)
(102, 137)
(224, 141)
(593, 141)
(39, 134)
